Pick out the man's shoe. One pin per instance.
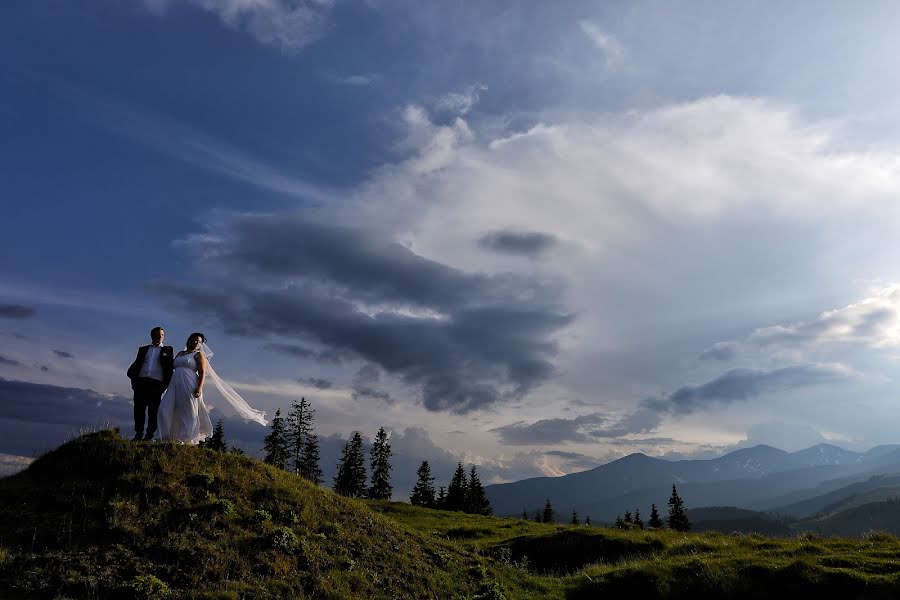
(148, 437)
(137, 437)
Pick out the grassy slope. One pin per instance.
(98, 516)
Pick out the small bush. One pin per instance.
(148, 587)
(203, 480)
(284, 539)
(223, 506)
(260, 516)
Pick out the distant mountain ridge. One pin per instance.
(749, 478)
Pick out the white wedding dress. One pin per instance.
(182, 417)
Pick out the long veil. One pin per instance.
(232, 398)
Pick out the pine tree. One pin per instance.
(456, 491)
(441, 501)
(476, 501)
(655, 522)
(678, 519)
(309, 460)
(350, 479)
(380, 459)
(423, 491)
(628, 520)
(276, 443)
(217, 440)
(548, 516)
(575, 520)
(587, 520)
(299, 428)
(620, 523)
(637, 519)
(524, 514)
(537, 516)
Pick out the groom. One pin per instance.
(150, 374)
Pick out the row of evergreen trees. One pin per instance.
(293, 445)
(677, 519)
(464, 492)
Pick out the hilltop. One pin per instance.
(104, 518)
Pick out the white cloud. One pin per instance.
(289, 24)
(675, 224)
(612, 50)
(356, 80)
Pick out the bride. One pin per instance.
(183, 416)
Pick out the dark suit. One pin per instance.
(148, 391)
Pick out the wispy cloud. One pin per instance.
(288, 24)
(612, 50)
(190, 145)
(358, 80)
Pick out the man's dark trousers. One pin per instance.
(147, 396)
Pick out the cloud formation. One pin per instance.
(525, 243)
(466, 340)
(288, 24)
(55, 405)
(16, 311)
(738, 385)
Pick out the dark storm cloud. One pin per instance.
(298, 351)
(732, 386)
(15, 311)
(583, 429)
(316, 382)
(50, 404)
(62, 354)
(549, 431)
(9, 362)
(466, 340)
(742, 384)
(526, 243)
(722, 351)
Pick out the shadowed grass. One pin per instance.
(104, 518)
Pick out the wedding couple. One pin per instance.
(180, 415)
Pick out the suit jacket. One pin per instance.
(166, 361)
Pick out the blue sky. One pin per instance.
(535, 236)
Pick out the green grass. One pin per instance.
(104, 518)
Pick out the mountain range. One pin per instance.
(794, 485)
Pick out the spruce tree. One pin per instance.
(637, 519)
(678, 519)
(350, 479)
(587, 520)
(441, 501)
(456, 491)
(217, 440)
(309, 460)
(524, 514)
(423, 491)
(620, 523)
(299, 428)
(276, 443)
(575, 520)
(537, 516)
(380, 460)
(628, 520)
(476, 499)
(547, 517)
(655, 522)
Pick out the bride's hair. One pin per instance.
(197, 334)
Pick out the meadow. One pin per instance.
(101, 517)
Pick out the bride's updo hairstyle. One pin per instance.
(197, 335)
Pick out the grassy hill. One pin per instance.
(104, 518)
